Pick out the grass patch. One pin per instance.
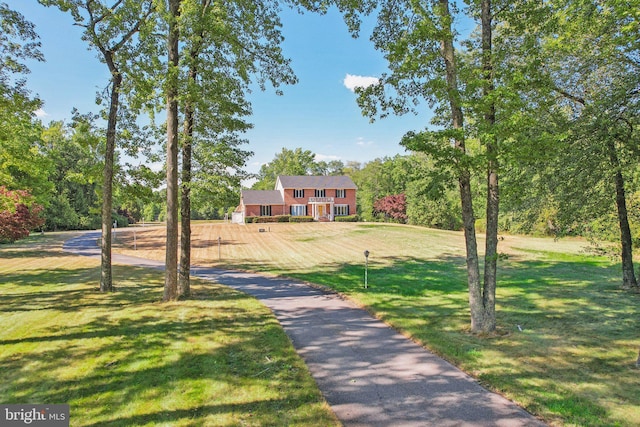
(567, 337)
(124, 358)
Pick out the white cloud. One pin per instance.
(41, 113)
(362, 143)
(351, 82)
(326, 157)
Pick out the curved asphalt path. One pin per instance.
(369, 374)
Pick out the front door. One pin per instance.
(320, 211)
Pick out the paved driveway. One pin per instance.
(369, 374)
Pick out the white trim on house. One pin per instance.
(314, 182)
(321, 208)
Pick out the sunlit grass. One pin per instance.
(124, 358)
(567, 336)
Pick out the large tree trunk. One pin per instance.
(473, 268)
(491, 249)
(464, 176)
(628, 275)
(106, 277)
(184, 283)
(171, 255)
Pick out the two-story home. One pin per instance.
(321, 197)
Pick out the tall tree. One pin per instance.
(286, 162)
(213, 106)
(18, 43)
(184, 270)
(484, 301)
(225, 47)
(23, 164)
(332, 167)
(431, 58)
(172, 88)
(418, 39)
(76, 153)
(110, 28)
(594, 65)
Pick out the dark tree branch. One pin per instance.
(572, 97)
(135, 28)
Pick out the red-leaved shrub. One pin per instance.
(393, 207)
(19, 214)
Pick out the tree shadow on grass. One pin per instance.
(210, 412)
(134, 351)
(404, 276)
(117, 380)
(568, 293)
(6, 253)
(104, 353)
(66, 289)
(523, 286)
(573, 314)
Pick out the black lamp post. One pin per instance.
(366, 267)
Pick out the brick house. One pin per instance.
(321, 197)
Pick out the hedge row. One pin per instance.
(301, 219)
(265, 219)
(348, 218)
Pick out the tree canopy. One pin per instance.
(292, 163)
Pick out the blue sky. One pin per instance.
(318, 114)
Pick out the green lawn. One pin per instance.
(125, 359)
(568, 335)
(566, 346)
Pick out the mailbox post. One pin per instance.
(366, 267)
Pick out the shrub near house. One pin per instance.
(392, 207)
(301, 198)
(19, 214)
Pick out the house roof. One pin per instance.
(261, 197)
(319, 182)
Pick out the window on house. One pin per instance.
(298, 193)
(298, 210)
(341, 193)
(341, 210)
(320, 193)
(265, 210)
